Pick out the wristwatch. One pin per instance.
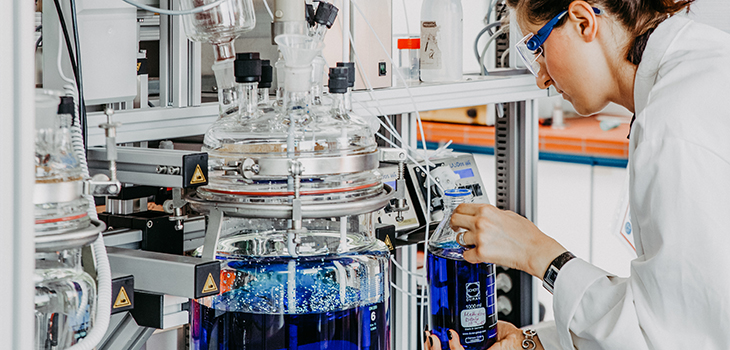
(548, 281)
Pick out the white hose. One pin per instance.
(103, 271)
(176, 13)
(483, 62)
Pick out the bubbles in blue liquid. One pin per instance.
(332, 302)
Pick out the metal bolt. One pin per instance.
(113, 189)
(161, 169)
(149, 224)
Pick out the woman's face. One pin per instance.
(572, 65)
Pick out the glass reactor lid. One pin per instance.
(251, 157)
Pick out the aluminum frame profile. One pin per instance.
(516, 155)
(141, 165)
(17, 147)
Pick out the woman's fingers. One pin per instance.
(470, 208)
(434, 342)
(454, 341)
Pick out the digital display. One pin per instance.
(465, 173)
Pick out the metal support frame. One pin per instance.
(405, 333)
(516, 155)
(180, 79)
(16, 149)
(125, 334)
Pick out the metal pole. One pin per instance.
(16, 146)
(516, 155)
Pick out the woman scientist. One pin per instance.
(674, 74)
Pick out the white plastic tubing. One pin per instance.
(103, 271)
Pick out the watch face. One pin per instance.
(552, 275)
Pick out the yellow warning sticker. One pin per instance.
(122, 299)
(210, 285)
(388, 243)
(198, 177)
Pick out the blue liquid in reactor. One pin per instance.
(267, 307)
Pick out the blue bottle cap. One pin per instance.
(457, 192)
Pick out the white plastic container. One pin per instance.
(442, 30)
(408, 51)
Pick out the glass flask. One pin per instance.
(58, 203)
(294, 132)
(220, 25)
(333, 295)
(462, 294)
(65, 299)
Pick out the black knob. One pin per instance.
(247, 67)
(338, 80)
(350, 71)
(267, 74)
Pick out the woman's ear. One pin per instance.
(583, 20)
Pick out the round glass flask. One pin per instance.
(65, 295)
(65, 299)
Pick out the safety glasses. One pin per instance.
(529, 48)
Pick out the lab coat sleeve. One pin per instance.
(548, 335)
(594, 310)
(679, 192)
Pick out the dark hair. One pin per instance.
(639, 17)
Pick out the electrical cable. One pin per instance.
(407, 293)
(503, 57)
(268, 9)
(79, 78)
(64, 30)
(176, 13)
(488, 17)
(483, 62)
(476, 45)
(104, 288)
(423, 139)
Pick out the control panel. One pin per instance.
(454, 170)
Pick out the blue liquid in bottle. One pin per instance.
(462, 295)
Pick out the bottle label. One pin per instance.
(430, 51)
(473, 317)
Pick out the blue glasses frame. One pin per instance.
(539, 38)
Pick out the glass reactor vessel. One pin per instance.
(65, 295)
(292, 191)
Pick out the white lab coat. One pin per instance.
(678, 293)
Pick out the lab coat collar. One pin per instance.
(656, 49)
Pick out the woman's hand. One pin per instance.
(509, 337)
(505, 238)
(433, 342)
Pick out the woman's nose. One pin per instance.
(543, 79)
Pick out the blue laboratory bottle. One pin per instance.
(462, 294)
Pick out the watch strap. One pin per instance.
(551, 274)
